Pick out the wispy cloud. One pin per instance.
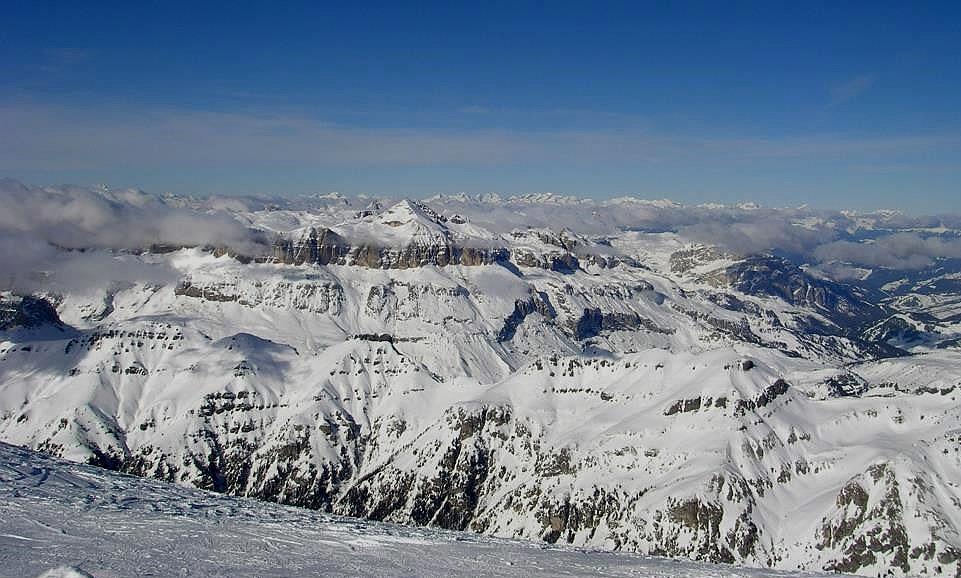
(851, 89)
(67, 55)
(57, 61)
(58, 138)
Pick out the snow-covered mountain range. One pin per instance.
(773, 388)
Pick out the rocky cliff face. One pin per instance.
(411, 235)
(325, 247)
(777, 277)
(408, 235)
(405, 366)
(678, 455)
(26, 312)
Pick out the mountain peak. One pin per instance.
(409, 211)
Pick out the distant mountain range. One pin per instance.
(774, 388)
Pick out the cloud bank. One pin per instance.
(55, 232)
(876, 239)
(82, 236)
(909, 251)
(81, 218)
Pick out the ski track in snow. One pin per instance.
(56, 515)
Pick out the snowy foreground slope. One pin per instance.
(55, 515)
(573, 380)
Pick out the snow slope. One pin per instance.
(631, 391)
(72, 520)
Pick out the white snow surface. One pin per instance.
(685, 416)
(63, 520)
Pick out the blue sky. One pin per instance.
(837, 105)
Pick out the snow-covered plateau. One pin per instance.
(614, 375)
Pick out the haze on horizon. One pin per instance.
(837, 107)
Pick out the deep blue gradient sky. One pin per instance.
(839, 105)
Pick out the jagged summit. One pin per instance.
(407, 211)
(403, 224)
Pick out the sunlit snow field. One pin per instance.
(56, 515)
